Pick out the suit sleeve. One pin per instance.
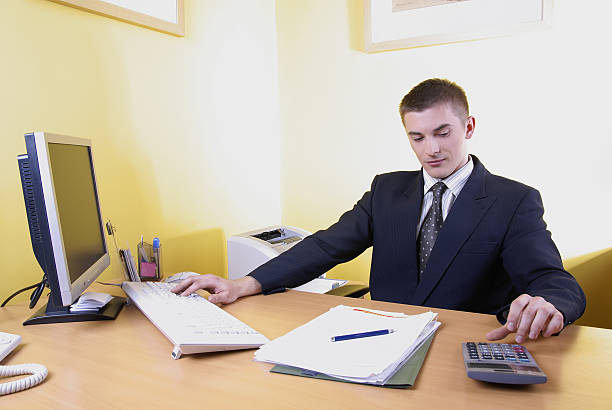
(321, 251)
(533, 262)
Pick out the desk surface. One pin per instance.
(127, 363)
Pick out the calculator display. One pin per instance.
(527, 368)
(489, 366)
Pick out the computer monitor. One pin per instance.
(66, 228)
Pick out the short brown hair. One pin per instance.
(432, 92)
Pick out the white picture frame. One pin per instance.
(166, 16)
(398, 24)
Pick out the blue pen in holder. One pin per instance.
(149, 260)
(157, 256)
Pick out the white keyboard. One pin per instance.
(191, 323)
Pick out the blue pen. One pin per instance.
(156, 256)
(360, 335)
(156, 249)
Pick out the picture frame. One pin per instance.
(166, 16)
(398, 24)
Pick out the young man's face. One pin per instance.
(437, 136)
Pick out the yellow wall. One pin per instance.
(187, 131)
(184, 130)
(541, 101)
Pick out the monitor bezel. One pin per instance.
(69, 291)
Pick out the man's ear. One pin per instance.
(470, 126)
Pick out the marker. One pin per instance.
(156, 249)
(156, 256)
(361, 335)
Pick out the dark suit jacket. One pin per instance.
(493, 246)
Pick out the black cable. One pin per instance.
(38, 291)
(18, 292)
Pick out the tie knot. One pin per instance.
(438, 189)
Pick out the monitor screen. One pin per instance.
(66, 228)
(75, 195)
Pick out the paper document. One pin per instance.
(321, 285)
(363, 360)
(91, 301)
(404, 377)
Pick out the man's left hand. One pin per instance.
(529, 317)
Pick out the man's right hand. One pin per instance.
(221, 290)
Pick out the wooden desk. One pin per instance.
(126, 363)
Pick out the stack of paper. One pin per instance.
(370, 360)
(91, 301)
(321, 285)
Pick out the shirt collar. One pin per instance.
(453, 182)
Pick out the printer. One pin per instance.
(247, 251)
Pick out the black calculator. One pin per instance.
(501, 363)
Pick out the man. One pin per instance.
(450, 236)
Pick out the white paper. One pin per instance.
(384, 376)
(321, 285)
(91, 301)
(370, 359)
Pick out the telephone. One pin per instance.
(38, 372)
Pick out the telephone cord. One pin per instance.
(38, 372)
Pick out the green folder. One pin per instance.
(402, 379)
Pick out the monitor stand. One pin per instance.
(61, 314)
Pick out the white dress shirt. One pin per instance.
(454, 183)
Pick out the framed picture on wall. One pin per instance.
(166, 16)
(395, 24)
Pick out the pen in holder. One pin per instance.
(149, 260)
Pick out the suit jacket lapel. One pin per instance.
(411, 210)
(467, 211)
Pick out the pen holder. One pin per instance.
(149, 261)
